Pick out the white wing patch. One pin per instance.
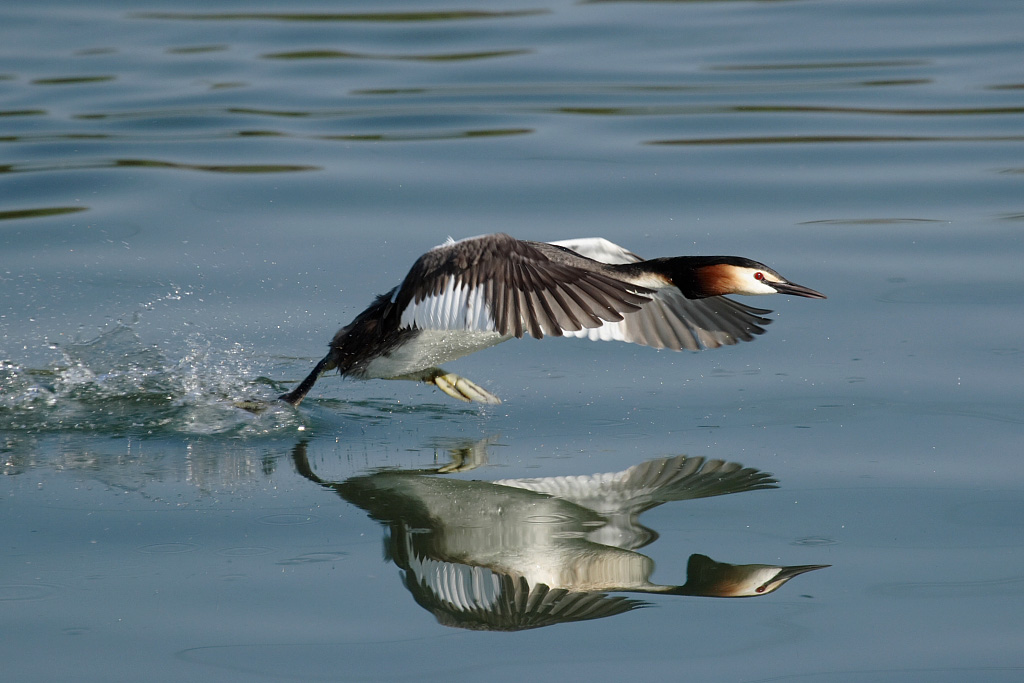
(599, 249)
(465, 587)
(607, 332)
(456, 307)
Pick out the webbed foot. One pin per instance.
(463, 389)
(453, 385)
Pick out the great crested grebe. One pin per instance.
(515, 554)
(464, 296)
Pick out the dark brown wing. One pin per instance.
(671, 321)
(496, 283)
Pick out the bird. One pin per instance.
(467, 295)
(517, 553)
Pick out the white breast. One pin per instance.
(428, 349)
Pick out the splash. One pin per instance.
(118, 385)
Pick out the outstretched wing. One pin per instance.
(670, 320)
(496, 283)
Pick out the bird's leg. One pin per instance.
(296, 395)
(453, 385)
(468, 457)
(462, 388)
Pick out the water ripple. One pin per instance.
(817, 66)
(24, 112)
(437, 57)
(72, 80)
(453, 15)
(871, 221)
(434, 135)
(35, 591)
(833, 139)
(40, 212)
(143, 163)
(314, 558)
(288, 519)
(167, 548)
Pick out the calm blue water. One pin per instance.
(195, 196)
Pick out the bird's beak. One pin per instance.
(788, 573)
(797, 290)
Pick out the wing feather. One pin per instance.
(670, 320)
(496, 283)
(499, 284)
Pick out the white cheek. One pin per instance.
(756, 287)
(757, 579)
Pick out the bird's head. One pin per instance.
(720, 275)
(707, 577)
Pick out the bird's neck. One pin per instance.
(697, 277)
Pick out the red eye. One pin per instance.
(759, 589)
(758, 275)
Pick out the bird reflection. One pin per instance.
(516, 554)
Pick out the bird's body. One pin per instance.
(462, 297)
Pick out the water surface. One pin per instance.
(193, 198)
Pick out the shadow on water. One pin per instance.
(517, 554)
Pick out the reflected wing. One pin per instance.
(620, 497)
(477, 598)
(650, 483)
